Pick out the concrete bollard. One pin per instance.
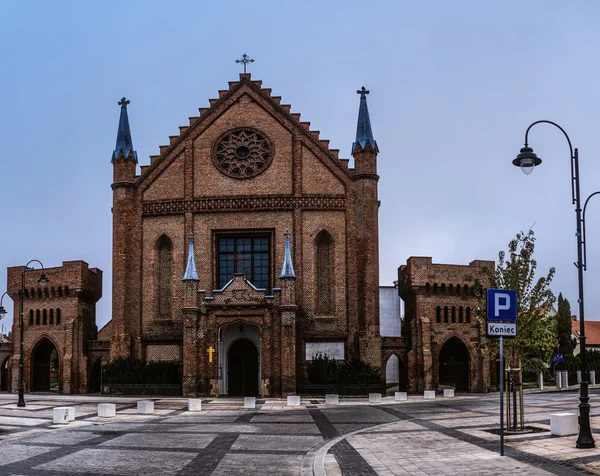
(60, 415)
(558, 379)
(563, 424)
(579, 377)
(293, 400)
(194, 404)
(540, 381)
(249, 402)
(429, 394)
(332, 399)
(145, 407)
(400, 396)
(448, 392)
(374, 397)
(592, 377)
(565, 379)
(107, 410)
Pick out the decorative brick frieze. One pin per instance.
(207, 205)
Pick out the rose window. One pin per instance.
(243, 153)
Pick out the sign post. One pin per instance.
(501, 322)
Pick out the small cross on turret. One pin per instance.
(245, 59)
(363, 92)
(123, 102)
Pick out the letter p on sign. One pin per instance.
(501, 305)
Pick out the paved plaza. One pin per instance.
(445, 436)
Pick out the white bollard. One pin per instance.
(60, 415)
(293, 400)
(107, 410)
(374, 397)
(249, 402)
(565, 379)
(448, 392)
(558, 379)
(592, 377)
(429, 394)
(194, 404)
(332, 399)
(145, 407)
(540, 381)
(400, 396)
(563, 424)
(579, 377)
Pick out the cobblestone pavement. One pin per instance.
(445, 436)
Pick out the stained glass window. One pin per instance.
(248, 255)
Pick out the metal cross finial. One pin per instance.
(191, 238)
(123, 102)
(245, 59)
(287, 235)
(363, 92)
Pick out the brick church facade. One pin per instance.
(240, 251)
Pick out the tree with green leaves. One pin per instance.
(566, 343)
(536, 327)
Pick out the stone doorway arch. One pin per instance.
(95, 376)
(454, 365)
(240, 359)
(5, 375)
(45, 367)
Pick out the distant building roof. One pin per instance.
(592, 331)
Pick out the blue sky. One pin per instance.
(453, 87)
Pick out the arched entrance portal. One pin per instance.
(242, 366)
(240, 359)
(454, 365)
(44, 363)
(95, 376)
(5, 375)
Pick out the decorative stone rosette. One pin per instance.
(243, 153)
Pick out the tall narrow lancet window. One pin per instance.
(324, 268)
(164, 275)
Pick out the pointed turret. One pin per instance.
(287, 270)
(124, 146)
(190, 270)
(364, 133)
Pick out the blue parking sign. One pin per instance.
(501, 305)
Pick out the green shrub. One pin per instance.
(325, 370)
(533, 367)
(134, 371)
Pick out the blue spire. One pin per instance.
(364, 133)
(124, 143)
(190, 270)
(287, 270)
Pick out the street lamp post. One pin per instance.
(43, 280)
(527, 160)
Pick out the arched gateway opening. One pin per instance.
(239, 359)
(44, 363)
(454, 365)
(242, 365)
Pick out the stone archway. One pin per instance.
(95, 376)
(240, 359)
(44, 367)
(454, 365)
(5, 374)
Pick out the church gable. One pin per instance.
(244, 143)
(317, 178)
(170, 183)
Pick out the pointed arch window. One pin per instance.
(51, 316)
(37, 317)
(446, 314)
(44, 317)
(460, 314)
(31, 317)
(57, 316)
(468, 318)
(324, 268)
(453, 314)
(163, 275)
(438, 314)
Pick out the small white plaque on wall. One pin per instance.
(333, 350)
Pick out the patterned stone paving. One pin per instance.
(416, 437)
